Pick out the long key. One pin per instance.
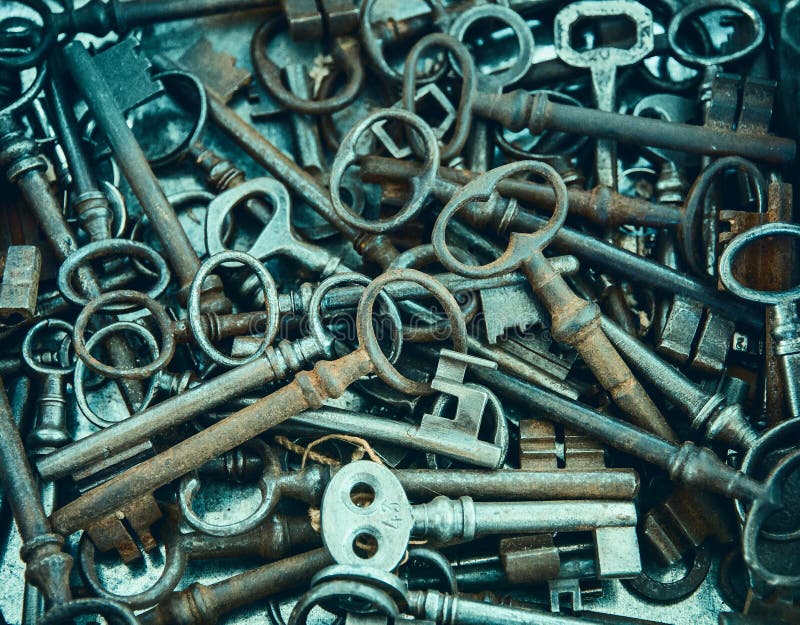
(133, 162)
(600, 205)
(575, 321)
(695, 466)
(309, 484)
(47, 566)
(328, 379)
(591, 250)
(518, 110)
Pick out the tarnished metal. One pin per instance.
(201, 380)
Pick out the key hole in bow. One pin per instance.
(493, 44)
(243, 223)
(724, 29)
(610, 31)
(362, 495)
(225, 503)
(365, 545)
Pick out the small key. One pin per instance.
(603, 62)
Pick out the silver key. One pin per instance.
(603, 62)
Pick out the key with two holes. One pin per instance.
(328, 379)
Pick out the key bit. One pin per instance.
(127, 73)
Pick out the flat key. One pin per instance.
(603, 62)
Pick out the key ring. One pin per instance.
(420, 185)
(468, 86)
(356, 591)
(345, 52)
(771, 444)
(65, 613)
(190, 198)
(270, 298)
(380, 583)
(27, 347)
(438, 561)
(323, 336)
(199, 96)
(425, 255)
(699, 60)
(497, 12)
(110, 247)
(29, 94)
(369, 342)
(38, 53)
(176, 557)
(190, 485)
(160, 317)
(80, 370)
(521, 245)
(760, 512)
(776, 298)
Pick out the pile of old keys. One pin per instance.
(454, 312)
